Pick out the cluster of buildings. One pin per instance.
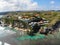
(24, 23)
(20, 21)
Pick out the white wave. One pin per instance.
(2, 28)
(4, 32)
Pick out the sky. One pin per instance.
(29, 5)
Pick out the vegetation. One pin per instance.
(51, 16)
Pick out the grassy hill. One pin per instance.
(51, 16)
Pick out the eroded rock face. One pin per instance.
(56, 26)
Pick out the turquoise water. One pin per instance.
(27, 37)
(29, 40)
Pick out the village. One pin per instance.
(31, 24)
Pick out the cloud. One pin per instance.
(5, 6)
(57, 8)
(52, 2)
(22, 5)
(14, 5)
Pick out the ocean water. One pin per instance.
(1, 16)
(4, 32)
